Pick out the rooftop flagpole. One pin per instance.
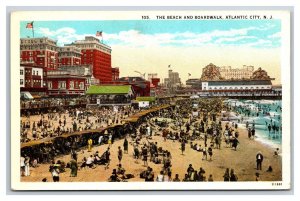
(30, 26)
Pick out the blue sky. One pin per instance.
(250, 33)
(149, 46)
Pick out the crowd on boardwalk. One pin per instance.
(185, 124)
(57, 122)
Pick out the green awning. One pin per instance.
(146, 98)
(109, 89)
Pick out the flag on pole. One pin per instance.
(99, 33)
(29, 25)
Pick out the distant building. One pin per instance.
(96, 54)
(82, 70)
(115, 73)
(69, 55)
(40, 52)
(140, 86)
(31, 79)
(152, 75)
(237, 85)
(228, 72)
(66, 82)
(44, 52)
(193, 83)
(173, 81)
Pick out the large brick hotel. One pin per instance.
(44, 53)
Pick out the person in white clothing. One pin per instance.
(160, 177)
(100, 139)
(27, 168)
(22, 164)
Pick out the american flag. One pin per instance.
(29, 25)
(99, 33)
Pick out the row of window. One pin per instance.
(217, 88)
(63, 85)
(29, 81)
(28, 71)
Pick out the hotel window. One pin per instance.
(71, 84)
(81, 85)
(21, 72)
(21, 81)
(49, 84)
(62, 84)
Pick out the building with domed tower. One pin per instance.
(212, 83)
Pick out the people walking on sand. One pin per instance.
(110, 140)
(90, 144)
(253, 133)
(120, 154)
(74, 154)
(249, 133)
(259, 160)
(182, 146)
(235, 143)
(27, 166)
(210, 178)
(276, 152)
(125, 145)
(160, 177)
(168, 177)
(204, 153)
(233, 176)
(176, 179)
(210, 152)
(190, 170)
(257, 176)
(107, 158)
(22, 164)
(74, 168)
(226, 175)
(145, 155)
(55, 174)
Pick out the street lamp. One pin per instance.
(141, 74)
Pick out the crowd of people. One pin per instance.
(184, 124)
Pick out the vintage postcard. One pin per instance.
(117, 100)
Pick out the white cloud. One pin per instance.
(135, 38)
(260, 43)
(63, 35)
(275, 35)
(234, 39)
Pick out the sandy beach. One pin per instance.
(243, 161)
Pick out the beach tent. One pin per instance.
(26, 95)
(194, 97)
